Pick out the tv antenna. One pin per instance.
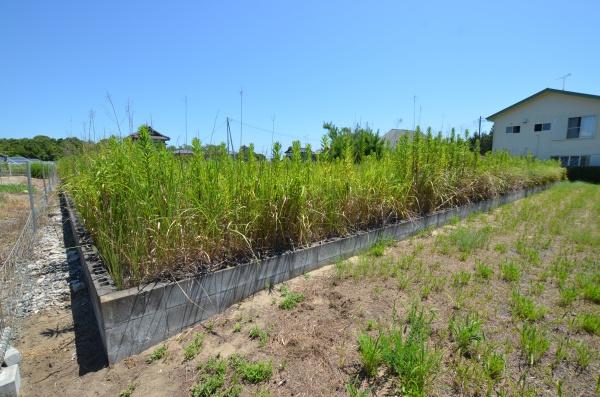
(564, 78)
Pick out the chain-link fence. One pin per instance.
(25, 191)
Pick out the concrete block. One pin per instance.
(12, 357)
(10, 381)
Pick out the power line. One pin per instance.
(271, 131)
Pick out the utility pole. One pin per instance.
(273, 131)
(186, 123)
(479, 133)
(414, 112)
(241, 114)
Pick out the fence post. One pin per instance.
(31, 201)
(44, 173)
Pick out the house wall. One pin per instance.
(554, 108)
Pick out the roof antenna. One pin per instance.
(564, 78)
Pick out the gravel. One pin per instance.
(49, 279)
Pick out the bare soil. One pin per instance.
(313, 347)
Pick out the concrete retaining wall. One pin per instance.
(134, 319)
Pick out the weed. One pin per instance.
(371, 353)
(237, 327)
(483, 271)
(251, 371)
(257, 333)
(157, 354)
(524, 307)
(537, 288)
(192, 349)
(591, 292)
(290, 299)
(501, 248)
(466, 331)
(567, 296)
(461, 279)
(589, 323)
(13, 188)
(409, 356)
(371, 325)
(493, 364)
(353, 390)
(583, 355)
(534, 343)
(128, 391)
(211, 379)
(509, 271)
(379, 247)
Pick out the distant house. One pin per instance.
(392, 137)
(183, 152)
(156, 136)
(303, 153)
(551, 124)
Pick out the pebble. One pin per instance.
(49, 282)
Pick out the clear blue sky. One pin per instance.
(304, 62)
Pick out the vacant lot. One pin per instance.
(14, 208)
(504, 303)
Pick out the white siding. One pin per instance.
(554, 108)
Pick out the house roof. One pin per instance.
(393, 135)
(544, 91)
(155, 135)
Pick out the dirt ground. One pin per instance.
(14, 208)
(313, 347)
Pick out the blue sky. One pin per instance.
(301, 62)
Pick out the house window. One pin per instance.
(573, 161)
(581, 127)
(585, 161)
(513, 130)
(542, 127)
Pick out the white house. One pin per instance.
(551, 124)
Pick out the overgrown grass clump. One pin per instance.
(405, 351)
(152, 214)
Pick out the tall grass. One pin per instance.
(153, 215)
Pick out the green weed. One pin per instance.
(509, 271)
(589, 323)
(128, 391)
(483, 271)
(257, 333)
(192, 349)
(534, 343)
(371, 353)
(525, 308)
(157, 354)
(466, 331)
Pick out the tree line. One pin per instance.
(42, 147)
